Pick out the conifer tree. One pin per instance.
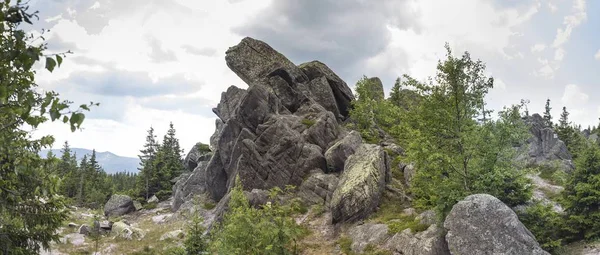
(147, 163)
(547, 115)
(395, 94)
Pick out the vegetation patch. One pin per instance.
(308, 122)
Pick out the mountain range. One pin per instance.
(110, 162)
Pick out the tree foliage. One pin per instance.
(30, 210)
(248, 230)
(457, 149)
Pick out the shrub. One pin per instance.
(545, 224)
(163, 194)
(406, 222)
(203, 147)
(195, 242)
(345, 244)
(308, 122)
(247, 230)
(150, 206)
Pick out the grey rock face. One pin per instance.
(361, 184)
(318, 188)
(214, 138)
(428, 242)
(253, 60)
(118, 205)
(482, 224)
(257, 197)
(544, 146)
(363, 235)
(337, 154)
(341, 92)
(196, 154)
(230, 101)
(84, 229)
(376, 88)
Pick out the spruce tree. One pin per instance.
(547, 115)
(167, 165)
(395, 94)
(147, 163)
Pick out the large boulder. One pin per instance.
(253, 60)
(337, 154)
(428, 242)
(482, 224)
(361, 184)
(118, 205)
(367, 234)
(230, 101)
(318, 188)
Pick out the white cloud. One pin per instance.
(559, 54)
(538, 47)
(574, 96)
(552, 7)
(123, 44)
(570, 22)
(597, 56)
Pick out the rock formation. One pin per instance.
(544, 146)
(482, 224)
(278, 131)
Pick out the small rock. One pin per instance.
(73, 225)
(75, 239)
(124, 231)
(175, 234)
(106, 225)
(84, 229)
(427, 217)
(153, 199)
(428, 242)
(409, 211)
(158, 219)
(138, 206)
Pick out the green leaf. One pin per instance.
(50, 64)
(65, 119)
(59, 59)
(54, 114)
(85, 107)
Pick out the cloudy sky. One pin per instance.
(149, 62)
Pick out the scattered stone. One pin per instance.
(124, 231)
(363, 235)
(482, 224)
(138, 206)
(175, 234)
(257, 197)
(73, 225)
(409, 211)
(159, 219)
(118, 205)
(153, 199)
(361, 184)
(75, 239)
(84, 229)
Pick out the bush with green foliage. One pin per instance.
(195, 241)
(457, 148)
(247, 230)
(545, 224)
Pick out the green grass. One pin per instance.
(552, 174)
(308, 122)
(208, 205)
(150, 206)
(345, 244)
(391, 214)
(406, 222)
(203, 147)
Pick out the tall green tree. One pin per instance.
(547, 115)
(147, 163)
(456, 155)
(582, 200)
(167, 165)
(30, 209)
(68, 171)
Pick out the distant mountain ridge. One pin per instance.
(110, 162)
